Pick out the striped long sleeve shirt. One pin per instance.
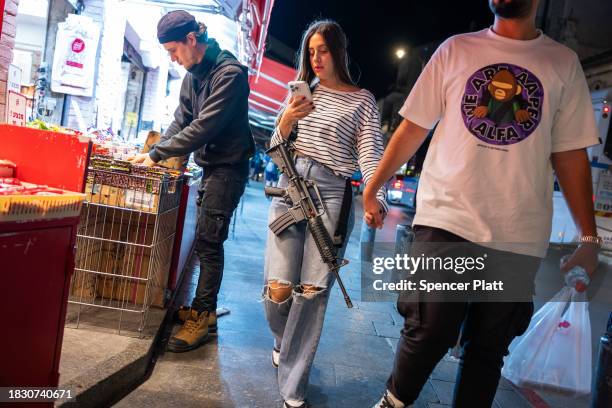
(343, 133)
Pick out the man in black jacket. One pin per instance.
(212, 122)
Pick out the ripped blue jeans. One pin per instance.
(292, 259)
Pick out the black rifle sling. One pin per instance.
(293, 135)
(345, 212)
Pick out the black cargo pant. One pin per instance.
(219, 196)
(431, 328)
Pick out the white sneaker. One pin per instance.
(275, 358)
(389, 400)
(295, 404)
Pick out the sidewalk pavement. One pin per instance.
(233, 370)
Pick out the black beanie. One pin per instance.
(175, 26)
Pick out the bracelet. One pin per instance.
(591, 239)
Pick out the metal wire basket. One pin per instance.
(124, 249)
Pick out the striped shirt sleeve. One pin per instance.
(276, 137)
(370, 145)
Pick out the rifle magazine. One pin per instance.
(282, 223)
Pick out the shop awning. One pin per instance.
(268, 92)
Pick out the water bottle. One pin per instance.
(602, 385)
(404, 235)
(403, 238)
(576, 277)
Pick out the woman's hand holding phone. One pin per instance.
(298, 108)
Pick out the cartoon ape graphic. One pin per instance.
(502, 101)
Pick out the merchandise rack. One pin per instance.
(125, 245)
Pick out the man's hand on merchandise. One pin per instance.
(373, 210)
(143, 159)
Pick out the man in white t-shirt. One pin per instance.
(512, 105)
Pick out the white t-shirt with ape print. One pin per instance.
(503, 107)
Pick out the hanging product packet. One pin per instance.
(555, 351)
(7, 168)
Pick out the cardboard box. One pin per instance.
(124, 289)
(83, 288)
(83, 284)
(118, 244)
(117, 225)
(141, 200)
(129, 228)
(105, 195)
(177, 163)
(122, 197)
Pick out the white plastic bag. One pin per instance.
(555, 351)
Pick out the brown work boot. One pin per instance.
(184, 311)
(192, 335)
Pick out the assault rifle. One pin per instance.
(300, 195)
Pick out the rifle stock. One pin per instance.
(274, 191)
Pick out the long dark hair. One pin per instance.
(336, 42)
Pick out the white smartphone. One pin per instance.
(300, 88)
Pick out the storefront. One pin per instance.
(133, 77)
(85, 65)
(104, 77)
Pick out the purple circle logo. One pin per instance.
(502, 104)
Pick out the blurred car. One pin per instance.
(357, 183)
(401, 190)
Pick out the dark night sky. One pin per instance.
(376, 27)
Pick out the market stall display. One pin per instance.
(130, 231)
(125, 240)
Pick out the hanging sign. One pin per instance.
(16, 109)
(74, 60)
(14, 79)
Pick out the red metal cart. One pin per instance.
(37, 258)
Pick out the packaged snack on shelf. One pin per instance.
(101, 150)
(7, 168)
(101, 136)
(21, 201)
(119, 183)
(113, 150)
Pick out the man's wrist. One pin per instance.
(371, 187)
(154, 155)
